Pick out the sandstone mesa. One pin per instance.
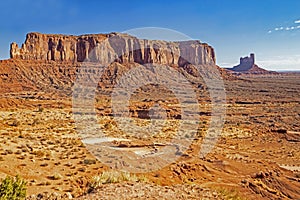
(113, 46)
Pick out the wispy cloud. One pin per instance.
(287, 28)
(297, 21)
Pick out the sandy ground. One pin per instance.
(257, 154)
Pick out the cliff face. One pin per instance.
(122, 48)
(55, 47)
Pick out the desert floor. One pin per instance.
(257, 154)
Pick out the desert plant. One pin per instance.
(108, 126)
(39, 153)
(114, 177)
(15, 123)
(40, 108)
(230, 194)
(13, 188)
(89, 161)
(56, 176)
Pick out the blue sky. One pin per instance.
(269, 28)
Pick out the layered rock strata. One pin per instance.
(118, 47)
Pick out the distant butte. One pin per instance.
(247, 66)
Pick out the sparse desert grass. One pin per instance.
(114, 177)
(230, 194)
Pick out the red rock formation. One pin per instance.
(114, 46)
(246, 63)
(55, 47)
(247, 66)
(53, 61)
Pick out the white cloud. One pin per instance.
(288, 28)
(297, 21)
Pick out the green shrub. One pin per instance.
(13, 188)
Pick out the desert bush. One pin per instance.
(13, 188)
(108, 126)
(57, 176)
(15, 123)
(40, 108)
(89, 161)
(39, 153)
(36, 121)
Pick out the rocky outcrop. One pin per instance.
(247, 66)
(246, 63)
(55, 47)
(118, 47)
